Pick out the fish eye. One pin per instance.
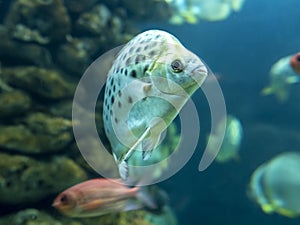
(64, 199)
(177, 66)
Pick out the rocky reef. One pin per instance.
(45, 47)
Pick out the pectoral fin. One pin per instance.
(123, 169)
(149, 144)
(123, 165)
(156, 127)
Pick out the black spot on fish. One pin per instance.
(138, 50)
(119, 93)
(152, 53)
(112, 99)
(126, 72)
(133, 73)
(146, 47)
(121, 70)
(153, 44)
(131, 49)
(145, 69)
(114, 88)
(116, 120)
(111, 112)
(109, 92)
(129, 100)
(139, 58)
(128, 61)
(111, 81)
(119, 104)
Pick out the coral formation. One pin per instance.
(45, 47)
(38, 133)
(41, 21)
(42, 82)
(26, 180)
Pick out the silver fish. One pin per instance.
(150, 80)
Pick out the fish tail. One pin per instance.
(153, 198)
(266, 91)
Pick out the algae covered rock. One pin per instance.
(77, 6)
(33, 217)
(22, 53)
(74, 56)
(26, 180)
(38, 133)
(14, 103)
(42, 82)
(42, 21)
(95, 21)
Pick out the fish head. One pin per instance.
(65, 202)
(295, 63)
(181, 69)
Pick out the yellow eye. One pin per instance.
(177, 66)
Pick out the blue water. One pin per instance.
(241, 50)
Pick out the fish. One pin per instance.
(191, 11)
(295, 62)
(274, 185)
(150, 80)
(102, 196)
(283, 73)
(231, 141)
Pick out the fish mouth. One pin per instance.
(200, 70)
(199, 74)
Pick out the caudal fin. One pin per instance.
(153, 198)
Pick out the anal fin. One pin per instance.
(123, 169)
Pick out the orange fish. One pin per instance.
(102, 196)
(295, 62)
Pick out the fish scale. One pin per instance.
(150, 80)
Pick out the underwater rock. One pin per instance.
(95, 21)
(14, 103)
(159, 10)
(75, 55)
(46, 19)
(39, 133)
(30, 217)
(77, 6)
(26, 180)
(25, 34)
(42, 82)
(22, 53)
(109, 27)
(137, 217)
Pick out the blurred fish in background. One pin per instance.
(283, 73)
(275, 185)
(191, 11)
(231, 142)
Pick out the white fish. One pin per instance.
(149, 82)
(231, 141)
(275, 185)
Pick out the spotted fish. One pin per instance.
(150, 80)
